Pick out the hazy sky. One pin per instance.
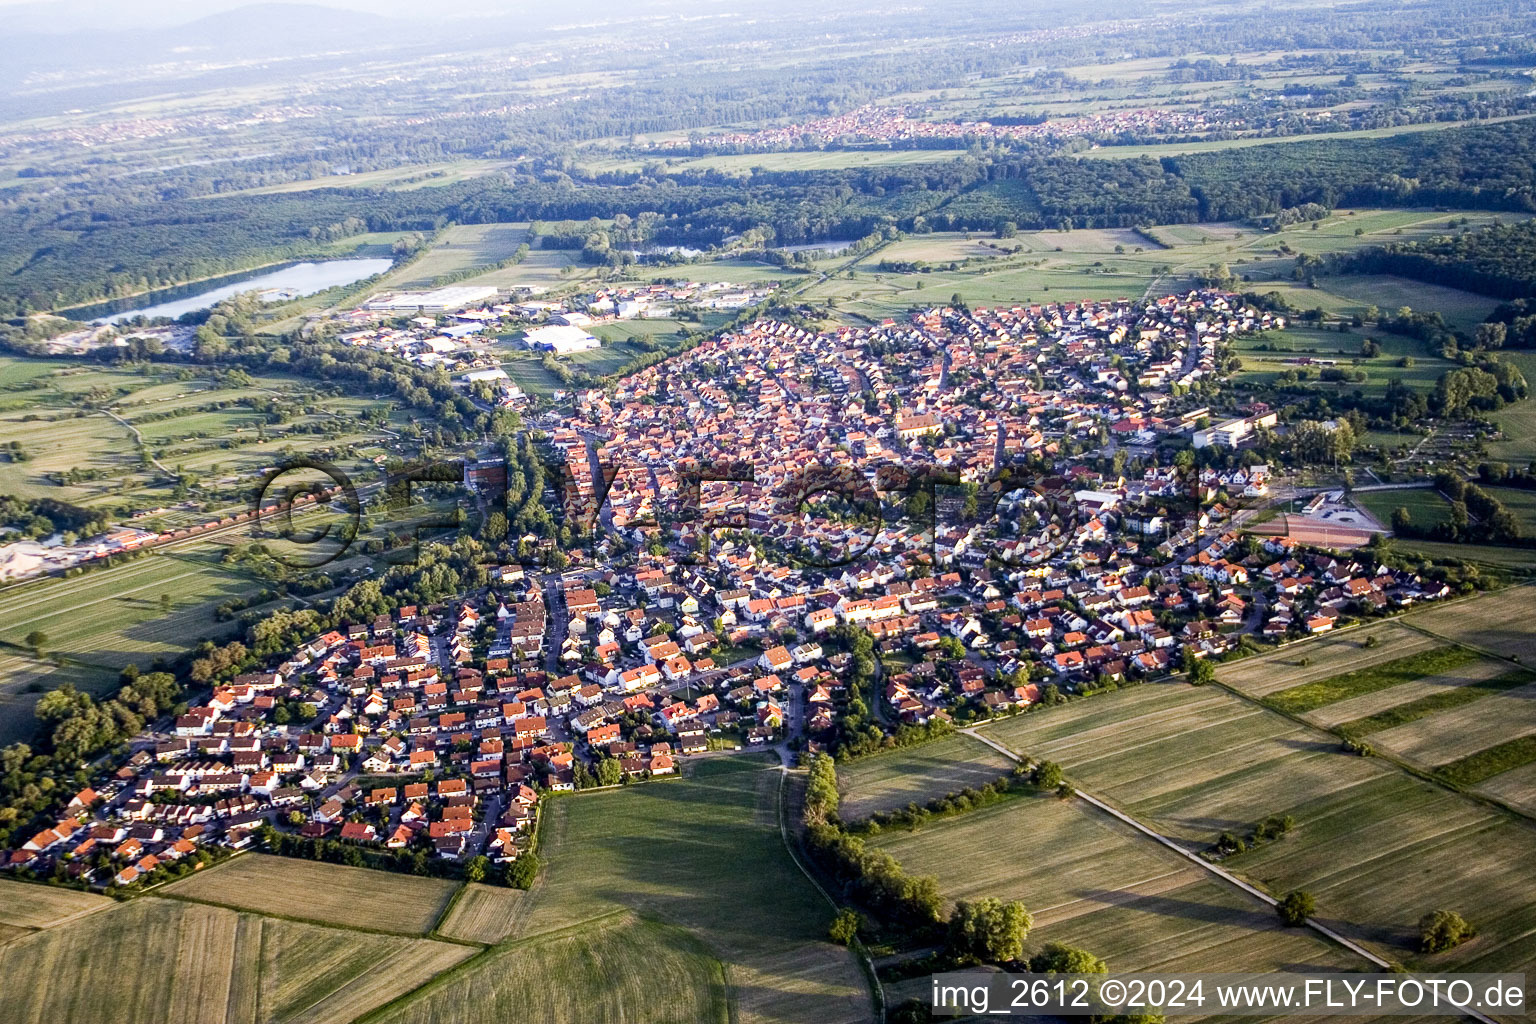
(69, 15)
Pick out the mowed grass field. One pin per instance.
(1426, 506)
(325, 893)
(702, 854)
(462, 248)
(104, 619)
(26, 908)
(174, 411)
(1376, 846)
(885, 782)
(1322, 658)
(618, 967)
(1121, 263)
(484, 913)
(156, 961)
(1094, 882)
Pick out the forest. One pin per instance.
(1499, 261)
(57, 251)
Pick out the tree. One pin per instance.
(475, 870)
(609, 772)
(1048, 775)
(845, 927)
(989, 930)
(1401, 520)
(1059, 958)
(523, 871)
(1441, 930)
(36, 640)
(1296, 907)
(1200, 671)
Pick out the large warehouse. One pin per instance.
(561, 340)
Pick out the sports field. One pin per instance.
(1376, 846)
(884, 782)
(1094, 882)
(325, 893)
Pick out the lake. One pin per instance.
(291, 281)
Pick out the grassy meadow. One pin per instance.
(885, 782)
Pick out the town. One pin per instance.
(713, 614)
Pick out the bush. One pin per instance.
(845, 927)
(1296, 907)
(1441, 930)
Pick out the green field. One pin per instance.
(887, 781)
(702, 854)
(462, 248)
(1093, 882)
(1376, 846)
(1311, 696)
(618, 967)
(186, 963)
(1426, 506)
(1179, 148)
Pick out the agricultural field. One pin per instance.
(1122, 263)
(1499, 622)
(195, 964)
(462, 248)
(1094, 882)
(29, 908)
(396, 178)
(1376, 846)
(483, 913)
(1324, 657)
(325, 893)
(657, 850)
(545, 270)
(1159, 150)
(617, 967)
(192, 424)
(885, 782)
(1304, 697)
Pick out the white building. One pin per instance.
(561, 340)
